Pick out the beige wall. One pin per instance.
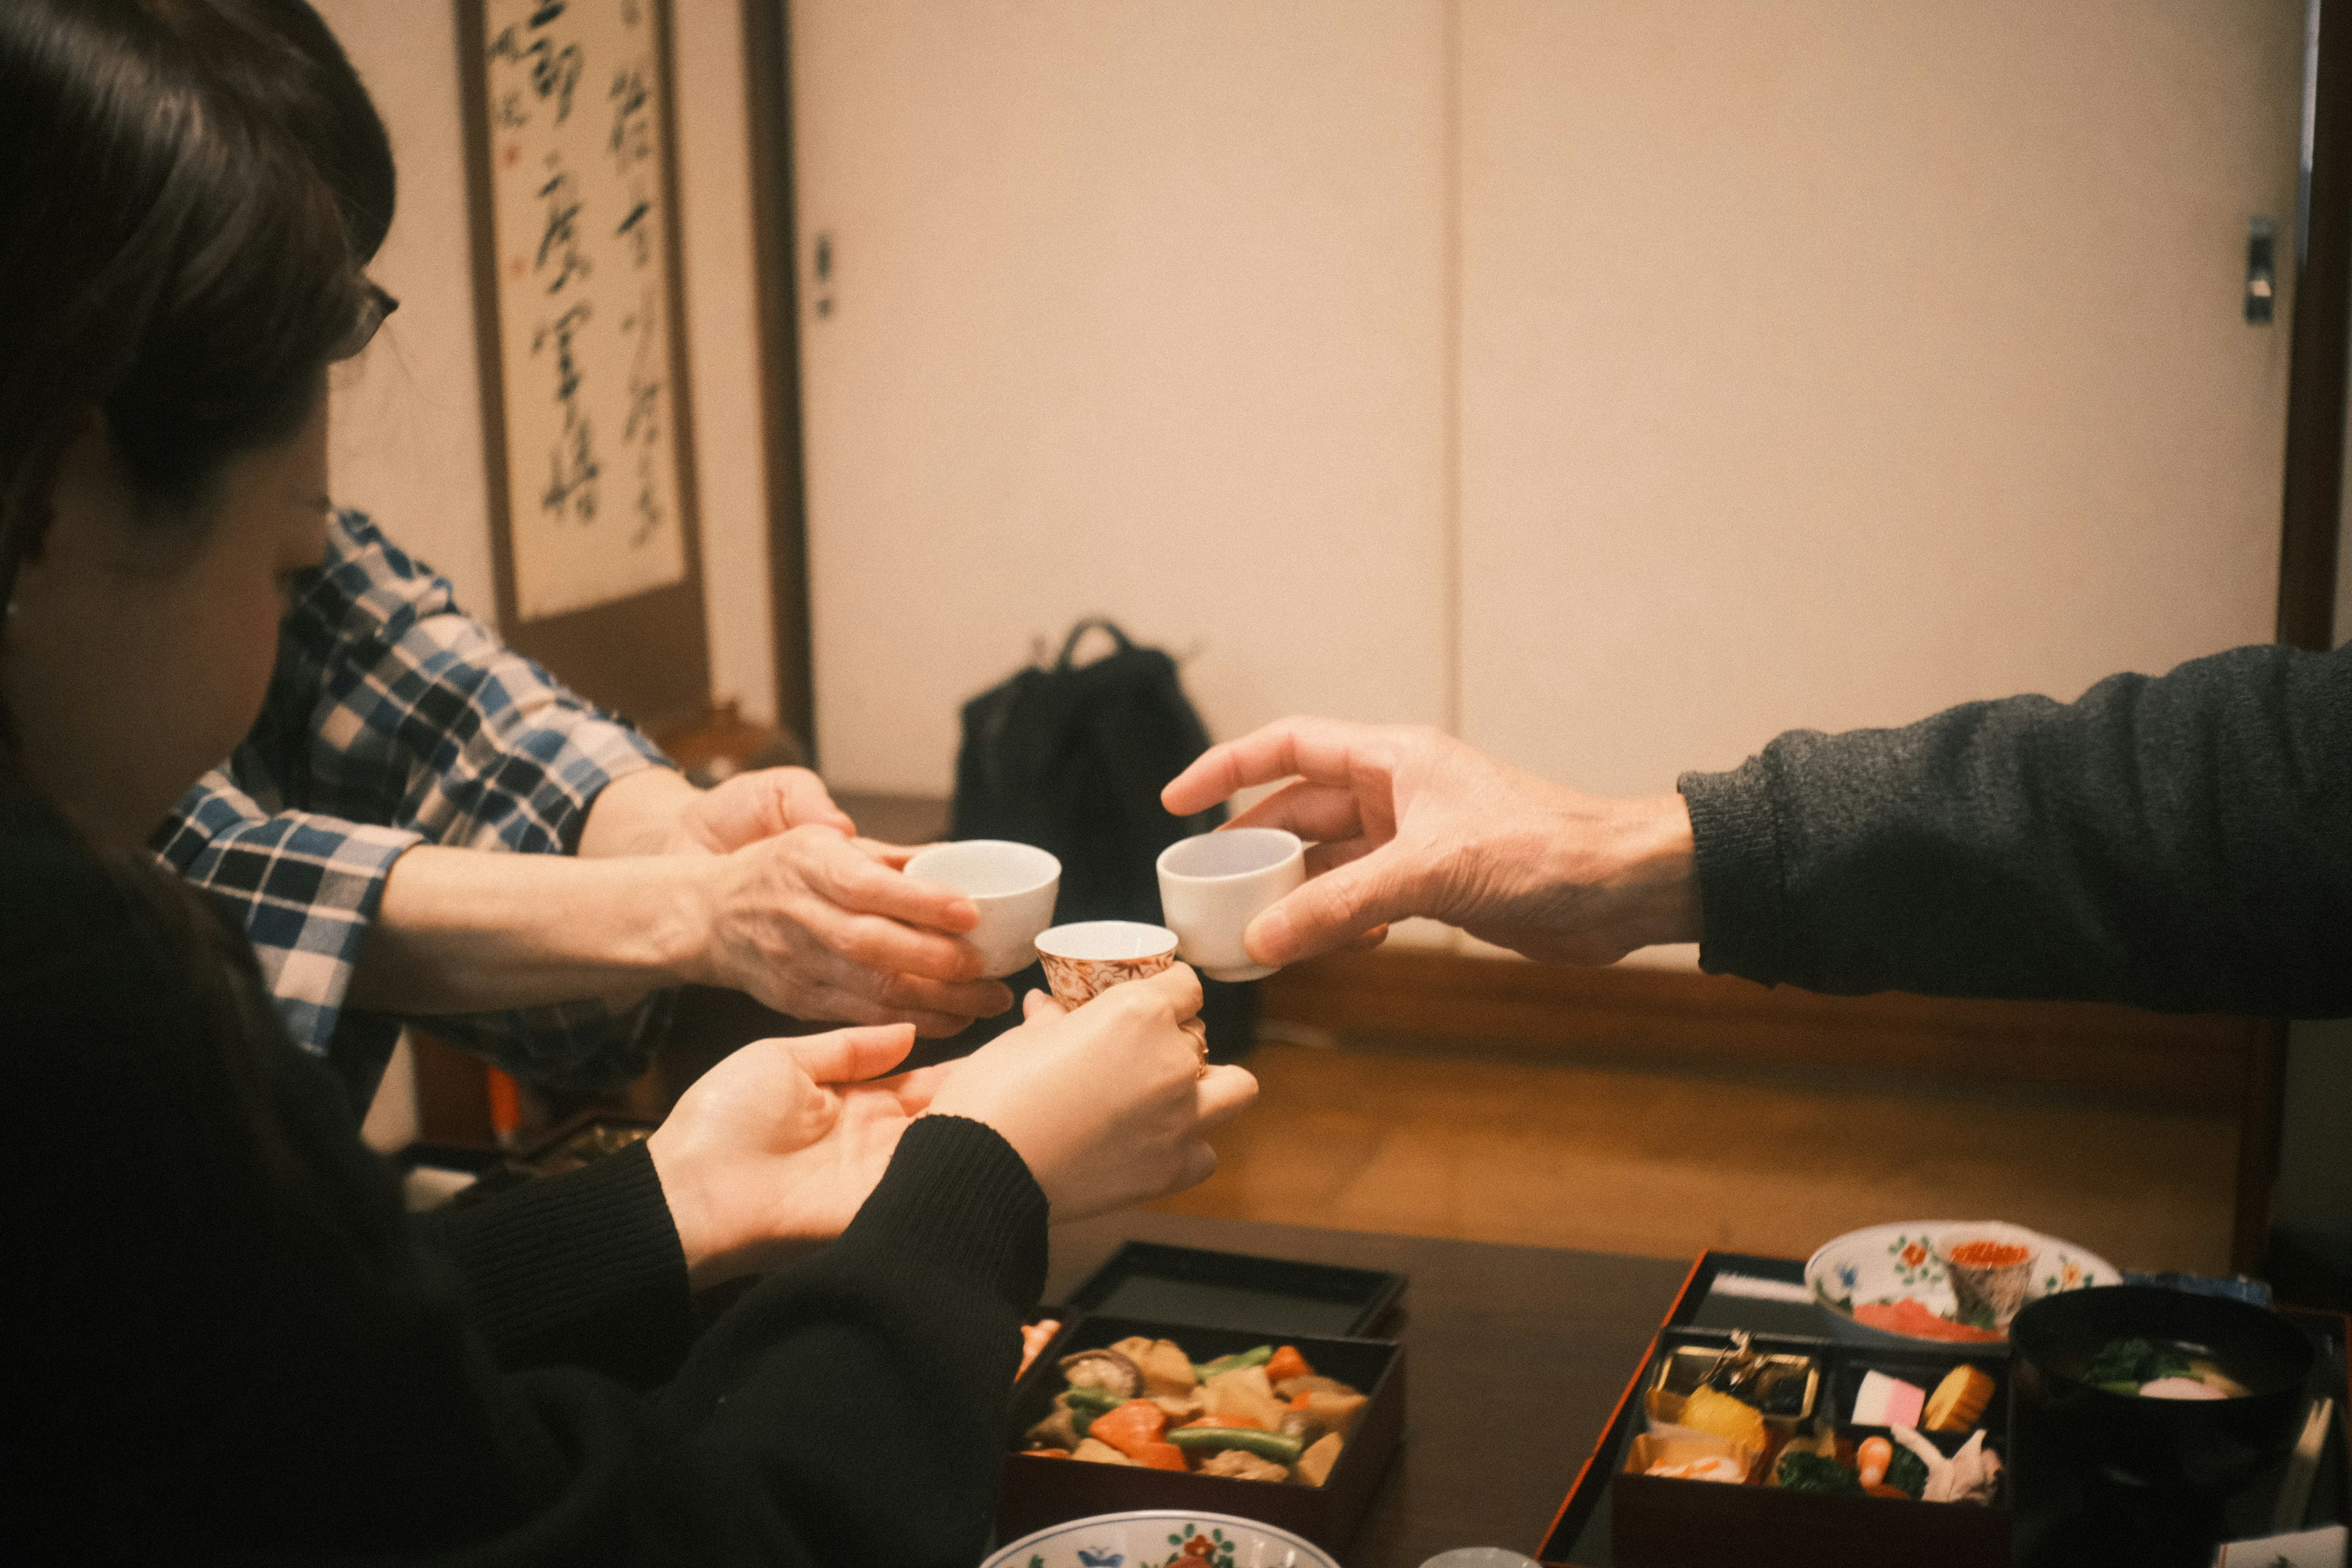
(407, 432)
(1828, 363)
(1140, 309)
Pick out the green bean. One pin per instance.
(1234, 1362)
(1275, 1446)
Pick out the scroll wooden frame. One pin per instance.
(646, 656)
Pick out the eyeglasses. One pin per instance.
(374, 306)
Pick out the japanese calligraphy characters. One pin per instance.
(579, 207)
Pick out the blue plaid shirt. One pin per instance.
(395, 718)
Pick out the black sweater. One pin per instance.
(223, 1339)
(2183, 843)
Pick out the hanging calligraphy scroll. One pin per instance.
(576, 249)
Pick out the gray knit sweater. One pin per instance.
(2181, 842)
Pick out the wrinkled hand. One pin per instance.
(1407, 821)
(812, 925)
(773, 1149)
(755, 805)
(1107, 1105)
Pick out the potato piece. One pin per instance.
(1335, 1411)
(1094, 1450)
(1135, 1347)
(1292, 1387)
(1166, 1368)
(1241, 1466)
(1313, 1466)
(1243, 1392)
(1181, 1408)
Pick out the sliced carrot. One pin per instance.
(1158, 1456)
(1302, 1401)
(1286, 1363)
(1131, 1427)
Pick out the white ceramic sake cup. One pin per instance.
(1213, 885)
(1014, 886)
(1087, 958)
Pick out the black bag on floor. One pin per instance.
(1071, 758)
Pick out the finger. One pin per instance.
(883, 946)
(1177, 986)
(802, 800)
(849, 1056)
(1329, 911)
(1224, 1093)
(1196, 1164)
(971, 998)
(915, 1089)
(1322, 858)
(1326, 751)
(1039, 1004)
(839, 1004)
(1318, 813)
(853, 881)
(893, 855)
(1370, 939)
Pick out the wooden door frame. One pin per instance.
(2311, 524)
(775, 258)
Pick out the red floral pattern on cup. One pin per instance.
(1077, 981)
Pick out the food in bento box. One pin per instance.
(1263, 1416)
(1959, 1401)
(1972, 1474)
(2158, 1369)
(1884, 1400)
(1710, 1468)
(1720, 1416)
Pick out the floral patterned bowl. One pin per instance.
(1885, 1285)
(1160, 1538)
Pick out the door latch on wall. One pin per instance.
(2261, 271)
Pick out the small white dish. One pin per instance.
(1885, 1265)
(1162, 1538)
(1212, 885)
(1012, 885)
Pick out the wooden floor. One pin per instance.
(1666, 1164)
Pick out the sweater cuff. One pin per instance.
(1737, 857)
(583, 1269)
(957, 1197)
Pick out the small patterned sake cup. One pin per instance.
(1086, 959)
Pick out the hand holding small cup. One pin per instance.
(1086, 959)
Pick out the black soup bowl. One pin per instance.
(2201, 1447)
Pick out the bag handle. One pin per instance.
(1092, 623)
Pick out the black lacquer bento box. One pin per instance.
(1217, 1304)
(1614, 1516)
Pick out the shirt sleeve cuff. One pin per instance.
(583, 1269)
(957, 1197)
(1737, 844)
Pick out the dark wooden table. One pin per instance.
(1514, 1357)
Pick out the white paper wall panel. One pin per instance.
(1137, 308)
(1831, 362)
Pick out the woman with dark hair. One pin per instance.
(224, 1339)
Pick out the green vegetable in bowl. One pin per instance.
(2122, 1365)
(1805, 1472)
